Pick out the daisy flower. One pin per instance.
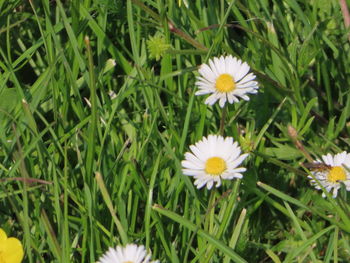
(213, 159)
(331, 172)
(11, 249)
(129, 254)
(226, 79)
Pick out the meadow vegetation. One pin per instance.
(98, 107)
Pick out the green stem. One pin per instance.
(222, 121)
(93, 127)
(209, 220)
(108, 201)
(232, 197)
(208, 214)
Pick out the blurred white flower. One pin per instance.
(130, 254)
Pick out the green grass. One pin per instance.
(82, 171)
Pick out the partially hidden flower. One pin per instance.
(331, 172)
(226, 79)
(132, 253)
(11, 249)
(213, 159)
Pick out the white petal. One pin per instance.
(211, 99)
(220, 66)
(213, 68)
(210, 185)
(203, 92)
(207, 73)
(339, 158)
(243, 70)
(222, 102)
(247, 78)
(245, 97)
(239, 170)
(250, 84)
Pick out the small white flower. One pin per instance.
(129, 254)
(212, 159)
(226, 79)
(332, 172)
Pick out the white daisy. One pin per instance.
(212, 159)
(129, 254)
(226, 79)
(331, 172)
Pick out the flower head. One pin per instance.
(332, 172)
(157, 46)
(226, 79)
(213, 159)
(129, 254)
(11, 250)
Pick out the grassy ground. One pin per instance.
(82, 170)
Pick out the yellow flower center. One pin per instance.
(336, 174)
(128, 261)
(225, 83)
(215, 166)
